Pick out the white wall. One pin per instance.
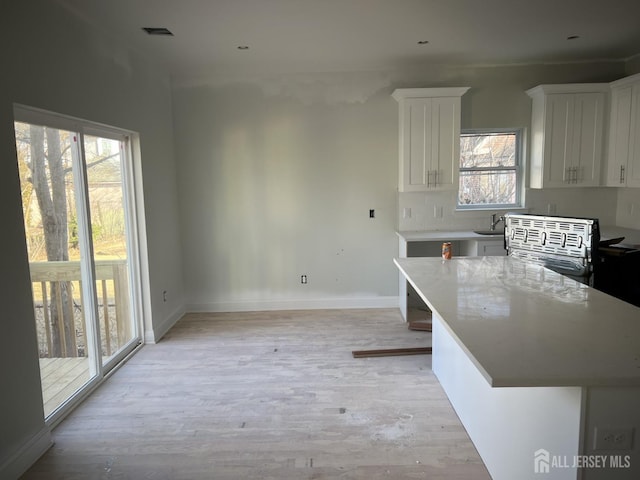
(628, 212)
(52, 60)
(274, 187)
(277, 175)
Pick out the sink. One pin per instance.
(489, 232)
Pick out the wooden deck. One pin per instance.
(61, 378)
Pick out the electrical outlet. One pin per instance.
(406, 212)
(611, 438)
(303, 279)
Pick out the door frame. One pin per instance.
(133, 204)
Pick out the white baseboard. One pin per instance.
(298, 304)
(27, 455)
(154, 336)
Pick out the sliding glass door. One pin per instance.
(105, 159)
(78, 223)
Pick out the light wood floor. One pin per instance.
(272, 395)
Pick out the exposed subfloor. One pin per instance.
(268, 395)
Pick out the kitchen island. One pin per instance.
(542, 370)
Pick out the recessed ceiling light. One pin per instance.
(157, 31)
(573, 37)
(243, 47)
(423, 42)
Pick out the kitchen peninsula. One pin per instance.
(537, 365)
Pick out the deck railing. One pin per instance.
(59, 314)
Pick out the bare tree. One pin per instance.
(49, 184)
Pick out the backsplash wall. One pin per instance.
(436, 210)
(628, 211)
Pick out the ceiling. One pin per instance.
(356, 35)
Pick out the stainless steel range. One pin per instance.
(566, 245)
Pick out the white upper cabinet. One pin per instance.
(429, 138)
(623, 160)
(567, 128)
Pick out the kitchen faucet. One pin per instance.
(495, 222)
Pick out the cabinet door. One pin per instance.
(415, 136)
(633, 164)
(445, 147)
(558, 133)
(493, 248)
(583, 169)
(429, 143)
(619, 137)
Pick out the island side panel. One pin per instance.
(402, 281)
(508, 425)
(617, 410)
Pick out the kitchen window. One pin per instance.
(490, 169)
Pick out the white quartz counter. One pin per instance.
(631, 236)
(523, 325)
(446, 235)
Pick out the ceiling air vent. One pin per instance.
(157, 31)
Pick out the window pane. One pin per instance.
(479, 188)
(47, 177)
(104, 164)
(488, 150)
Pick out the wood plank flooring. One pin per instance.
(273, 395)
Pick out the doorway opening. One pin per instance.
(81, 223)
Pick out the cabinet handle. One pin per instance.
(434, 182)
(570, 175)
(621, 173)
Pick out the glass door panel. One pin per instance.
(48, 165)
(105, 161)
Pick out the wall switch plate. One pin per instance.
(406, 212)
(612, 438)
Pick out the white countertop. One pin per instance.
(631, 236)
(446, 235)
(523, 325)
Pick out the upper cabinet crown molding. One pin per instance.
(626, 81)
(548, 89)
(567, 128)
(429, 138)
(402, 93)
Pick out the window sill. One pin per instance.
(489, 208)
